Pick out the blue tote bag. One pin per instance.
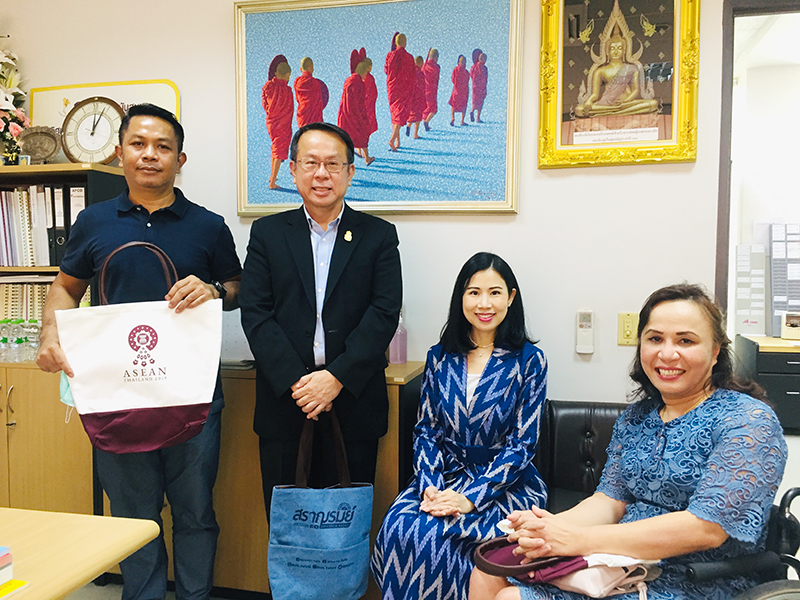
(319, 538)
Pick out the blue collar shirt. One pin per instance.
(197, 240)
(322, 243)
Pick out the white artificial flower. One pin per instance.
(10, 79)
(8, 58)
(13, 79)
(6, 100)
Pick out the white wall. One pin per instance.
(596, 238)
(768, 149)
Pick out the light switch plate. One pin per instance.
(627, 324)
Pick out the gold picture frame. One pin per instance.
(647, 113)
(449, 170)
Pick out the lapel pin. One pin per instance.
(348, 236)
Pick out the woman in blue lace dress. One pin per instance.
(481, 401)
(692, 470)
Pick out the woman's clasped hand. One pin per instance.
(444, 503)
(540, 533)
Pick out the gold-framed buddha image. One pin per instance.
(618, 82)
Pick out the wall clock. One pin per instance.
(90, 130)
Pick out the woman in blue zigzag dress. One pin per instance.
(692, 470)
(482, 397)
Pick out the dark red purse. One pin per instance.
(496, 557)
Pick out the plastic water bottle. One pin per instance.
(32, 330)
(16, 342)
(17, 350)
(4, 329)
(398, 347)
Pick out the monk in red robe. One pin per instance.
(278, 102)
(401, 78)
(392, 49)
(431, 72)
(480, 76)
(417, 101)
(370, 96)
(476, 54)
(370, 91)
(353, 111)
(308, 91)
(460, 95)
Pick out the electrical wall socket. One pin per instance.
(627, 325)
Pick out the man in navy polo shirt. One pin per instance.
(202, 249)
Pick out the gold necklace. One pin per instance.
(478, 347)
(691, 408)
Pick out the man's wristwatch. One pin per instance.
(221, 289)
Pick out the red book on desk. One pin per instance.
(6, 573)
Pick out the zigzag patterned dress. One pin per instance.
(484, 451)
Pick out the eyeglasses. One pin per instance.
(331, 166)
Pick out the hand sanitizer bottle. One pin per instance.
(398, 347)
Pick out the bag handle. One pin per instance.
(170, 273)
(496, 557)
(304, 454)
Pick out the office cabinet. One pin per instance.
(45, 462)
(775, 364)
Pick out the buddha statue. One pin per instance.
(616, 78)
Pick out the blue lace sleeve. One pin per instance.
(743, 471)
(612, 483)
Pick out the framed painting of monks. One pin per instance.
(427, 89)
(618, 82)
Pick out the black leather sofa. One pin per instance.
(571, 455)
(572, 444)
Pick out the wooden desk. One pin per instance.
(57, 553)
(387, 475)
(773, 344)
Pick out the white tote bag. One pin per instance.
(144, 375)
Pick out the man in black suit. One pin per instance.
(320, 297)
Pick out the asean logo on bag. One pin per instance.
(340, 518)
(143, 339)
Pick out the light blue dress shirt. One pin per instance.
(322, 243)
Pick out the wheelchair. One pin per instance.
(783, 541)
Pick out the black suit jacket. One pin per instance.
(360, 314)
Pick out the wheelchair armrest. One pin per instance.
(749, 563)
(791, 561)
